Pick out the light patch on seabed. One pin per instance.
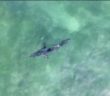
(59, 15)
(52, 74)
(4, 29)
(106, 92)
(15, 79)
(72, 25)
(61, 18)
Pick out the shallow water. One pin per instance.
(80, 68)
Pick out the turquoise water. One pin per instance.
(80, 68)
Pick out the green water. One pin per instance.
(80, 68)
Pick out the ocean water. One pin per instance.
(80, 68)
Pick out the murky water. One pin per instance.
(80, 68)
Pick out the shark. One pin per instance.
(44, 51)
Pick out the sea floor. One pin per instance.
(79, 68)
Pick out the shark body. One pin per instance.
(45, 50)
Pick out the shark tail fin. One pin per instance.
(64, 42)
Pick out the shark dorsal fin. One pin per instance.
(44, 45)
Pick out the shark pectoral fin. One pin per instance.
(45, 55)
